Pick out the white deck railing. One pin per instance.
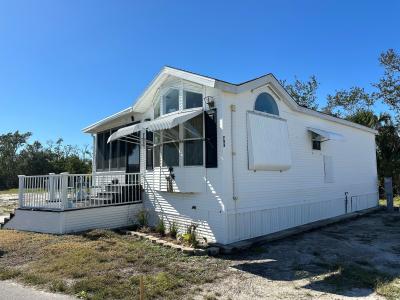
(74, 191)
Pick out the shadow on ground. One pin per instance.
(355, 258)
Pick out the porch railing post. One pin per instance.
(21, 191)
(64, 190)
(51, 187)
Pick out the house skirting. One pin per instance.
(68, 221)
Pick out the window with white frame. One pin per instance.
(170, 101)
(174, 99)
(186, 138)
(193, 141)
(266, 103)
(170, 147)
(192, 99)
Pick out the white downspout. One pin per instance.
(233, 153)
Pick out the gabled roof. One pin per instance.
(269, 80)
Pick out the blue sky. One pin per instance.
(67, 64)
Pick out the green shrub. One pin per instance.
(173, 229)
(160, 228)
(190, 237)
(143, 218)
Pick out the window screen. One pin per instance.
(171, 101)
(193, 153)
(171, 154)
(193, 99)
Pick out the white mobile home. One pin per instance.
(238, 160)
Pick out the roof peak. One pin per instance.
(217, 79)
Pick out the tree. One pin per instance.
(303, 92)
(348, 102)
(10, 144)
(389, 84)
(17, 156)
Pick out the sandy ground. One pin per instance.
(14, 291)
(302, 267)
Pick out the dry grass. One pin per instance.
(102, 265)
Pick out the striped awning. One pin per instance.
(164, 122)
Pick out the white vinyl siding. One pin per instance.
(328, 169)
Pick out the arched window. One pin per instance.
(266, 103)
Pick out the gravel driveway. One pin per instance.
(341, 261)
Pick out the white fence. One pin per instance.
(74, 191)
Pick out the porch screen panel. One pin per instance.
(122, 155)
(100, 151)
(268, 145)
(133, 158)
(149, 150)
(107, 149)
(114, 153)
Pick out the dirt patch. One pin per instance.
(358, 259)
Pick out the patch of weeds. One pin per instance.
(98, 234)
(143, 218)
(158, 285)
(173, 229)
(82, 295)
(8, 273)
(160, 227)
(354, 276)
(110, 286)
(58, 286)
(34, 279)
(190, 237)
(210, 297)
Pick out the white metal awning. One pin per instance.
(326, 135)
(164, 122)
